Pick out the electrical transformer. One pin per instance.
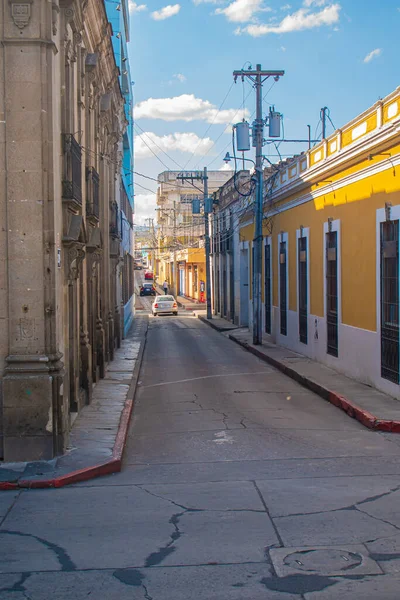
(274, 123)
(242, 136)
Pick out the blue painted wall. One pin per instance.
(118, 15)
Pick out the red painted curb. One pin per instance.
(112, 465)
(353, 410)
(6, 485)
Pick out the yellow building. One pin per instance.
(331, 249)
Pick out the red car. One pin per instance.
(148, 275)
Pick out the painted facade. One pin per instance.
(331, 249)
(226, 265)
(118, 16)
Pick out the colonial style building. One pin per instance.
(181, 253)
(331, 267)
(64, 123)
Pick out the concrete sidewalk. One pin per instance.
(98, 435)
(372, 408)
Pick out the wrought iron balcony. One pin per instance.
(93, 191)
(72, 183)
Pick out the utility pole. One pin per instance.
(203, 176)
(323, 119)
(258, 77)
(175, 281)
(207, 243)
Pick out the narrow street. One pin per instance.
(237, 484)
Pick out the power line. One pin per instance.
(155, 143)
(211, 124)
(152, 151)
(221, 134)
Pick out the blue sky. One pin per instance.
(342, 54)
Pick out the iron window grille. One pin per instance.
(93, 191)
(267, 287)
(72, 184)
(389, 281)
(283, 286)
(332, 301)
(303, 292)
(115, 222)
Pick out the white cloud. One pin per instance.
(297, 21)
(197, 2)
(225, 167)
(240, 11)
(135, 7)
(179, 77)
(184, 108)
(166, 12)
(286, 7)
(145, 205)
(148, 143)
(373, 54)
(314, 2)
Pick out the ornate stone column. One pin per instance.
(33, 403)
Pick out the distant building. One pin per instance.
(181, 253)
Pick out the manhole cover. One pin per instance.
(324, 560)
(327, 559)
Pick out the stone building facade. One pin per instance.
(62, 122)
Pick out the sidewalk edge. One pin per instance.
(213, 325)
(350, 408)
(108, 467)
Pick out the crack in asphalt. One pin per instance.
(146, 593)
(18, 585)
(10, 507)
(378, 519)
(63, 558)
(217, 412)
(156, 558)
(354, 506)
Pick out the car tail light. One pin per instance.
(156, 305)
(175, 305)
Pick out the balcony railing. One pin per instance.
(93, 191)
(72, 184)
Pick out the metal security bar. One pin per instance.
(72, 184)
(283, 287)
(303, 292)
(390, 300)
(267, 287)
(332, 293)
(93, 201)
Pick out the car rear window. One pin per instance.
(165, 299)
(148, 285)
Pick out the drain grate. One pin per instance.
(325, 560)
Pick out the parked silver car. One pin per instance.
(164, 305)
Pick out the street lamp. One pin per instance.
(228, 159)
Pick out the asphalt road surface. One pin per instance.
(238, 484)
